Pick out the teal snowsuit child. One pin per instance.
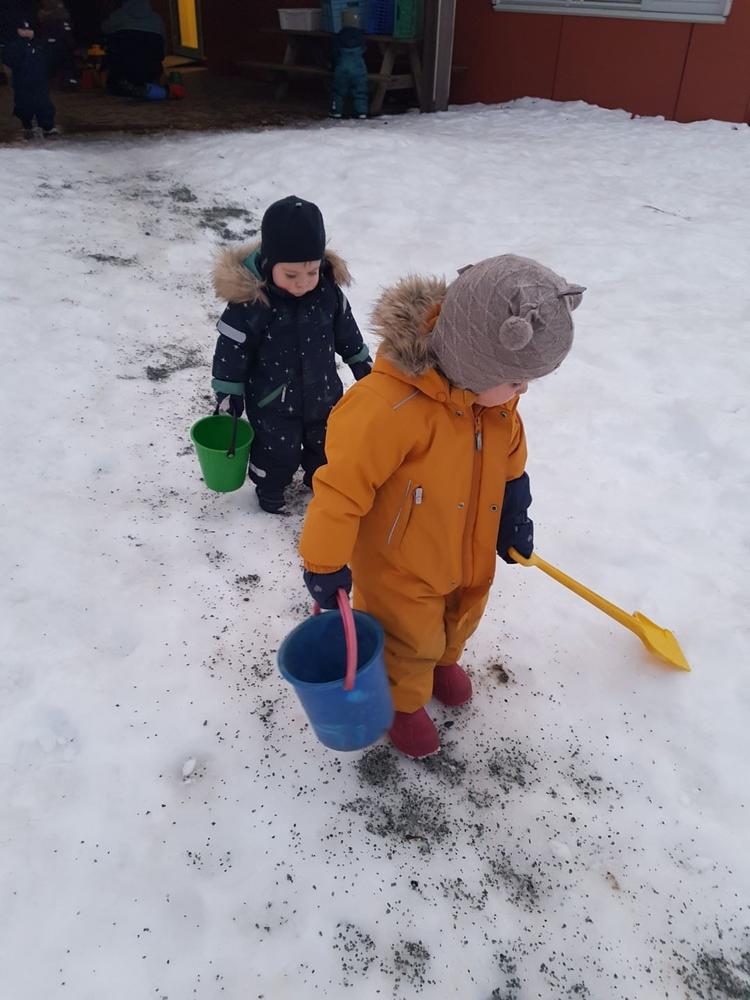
(350, 72)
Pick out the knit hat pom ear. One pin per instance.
(573, 295)
(515, 333)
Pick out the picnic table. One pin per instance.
(308, 53)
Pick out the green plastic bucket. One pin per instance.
(223, 460)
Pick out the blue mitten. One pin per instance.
(360, 369)
(323, 587)
(516, 528)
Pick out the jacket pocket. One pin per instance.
(278, 391)
(411, 497)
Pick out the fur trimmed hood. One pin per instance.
(403, 317)
(234, 282)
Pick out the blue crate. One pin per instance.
(381, 15)
(331, 11)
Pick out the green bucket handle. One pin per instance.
(235, 421)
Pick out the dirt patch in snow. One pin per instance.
(406, 815)
(174, 359)
(230, 222)
(357, 951)
(717, 976)
(512, 764)
(108, 258)
(378, 768)
(182, 195)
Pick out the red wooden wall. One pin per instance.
(716, 83)
(231, 31)
(678, 70)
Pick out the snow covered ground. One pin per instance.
(170, 827)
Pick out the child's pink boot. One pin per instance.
(414, 734)
(451, 685)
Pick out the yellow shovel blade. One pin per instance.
(658, 640)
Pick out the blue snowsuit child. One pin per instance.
(27, 59)
(350, 72)
(276, 352)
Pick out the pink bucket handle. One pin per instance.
(350, 636)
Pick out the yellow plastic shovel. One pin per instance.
(659, 640)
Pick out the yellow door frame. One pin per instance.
(186, 28)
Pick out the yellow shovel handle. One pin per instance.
(597, 600)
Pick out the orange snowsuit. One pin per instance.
(411, 499)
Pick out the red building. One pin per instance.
(679, 69)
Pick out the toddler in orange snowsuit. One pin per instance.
(424, 455)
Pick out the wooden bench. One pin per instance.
(319, 44)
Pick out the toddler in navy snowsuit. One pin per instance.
(286, 321)
(23, 54)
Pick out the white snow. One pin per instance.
(170, 826)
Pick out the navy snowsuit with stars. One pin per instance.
(280, 351)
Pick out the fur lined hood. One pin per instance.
(235, 283)
(403, 318)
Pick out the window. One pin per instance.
(709, 11)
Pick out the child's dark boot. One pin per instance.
(451, 685)
(414, 734)
(272, 502)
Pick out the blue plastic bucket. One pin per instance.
(313, 659)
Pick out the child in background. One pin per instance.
(286, 321)
(425, 480)
(134, 36)
(349, 68)
(56, 35)
(22, 53)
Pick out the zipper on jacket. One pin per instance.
(399, 512)
(473, 506)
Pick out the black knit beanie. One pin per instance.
(292, 232)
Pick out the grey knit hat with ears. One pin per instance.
(506, 319)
